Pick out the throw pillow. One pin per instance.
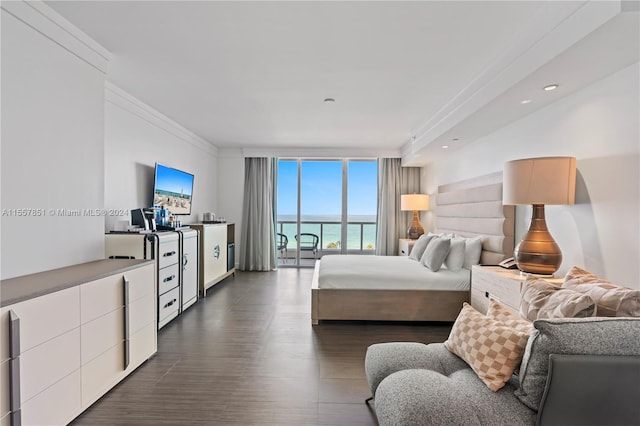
(541, 299)
(472, 252)
(492, 349)
(435, 253)
(575, 336)
(455, 257)
(611, 300)
(420, 246)
(499, 312)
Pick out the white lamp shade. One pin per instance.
(409, 202)
(547, 180)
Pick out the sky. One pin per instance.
(168, 179)
(321, 187)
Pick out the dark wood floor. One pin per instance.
(248, 355)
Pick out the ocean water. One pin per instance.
(328, 228)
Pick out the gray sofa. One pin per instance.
(574, 371)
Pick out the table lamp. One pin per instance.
(539, 181)
(415, 203)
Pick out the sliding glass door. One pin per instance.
(325, 207)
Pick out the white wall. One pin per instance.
(52, 145)
(136, 137)
(231, 190)
(600, 126)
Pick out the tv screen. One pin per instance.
(173, 189)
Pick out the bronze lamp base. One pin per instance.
(415, 229)
(538, 253)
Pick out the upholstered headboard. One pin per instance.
(474, 208)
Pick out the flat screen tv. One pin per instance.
(173, 189)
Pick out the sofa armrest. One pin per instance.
(591, 390)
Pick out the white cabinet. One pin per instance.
(70, 335)
(164, 248)
(502, 284)
(189, 245)
(404, 246)
(216, 243)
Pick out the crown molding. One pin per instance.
(553, 30)
(121, 99)
(46, 21)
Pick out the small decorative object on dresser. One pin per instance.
(499, 283)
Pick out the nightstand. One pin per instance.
(405, 245)
(499, 283)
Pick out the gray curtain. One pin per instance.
(258, 251)
(393, 181)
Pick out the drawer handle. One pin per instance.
(14, 369)
(169, 253)
(170, 303)
(127, 341)
(166, 280)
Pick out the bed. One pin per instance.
(396, 288)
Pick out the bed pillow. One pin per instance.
(455, 257)
(611, 300)
(420, 246)
(472, 252)
(491, 348)
(541, 299)
(436, 252)
(499, 312)
(575, 336)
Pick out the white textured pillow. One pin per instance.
(435, 253)
(455, 257)
(541, 299)
(420, 246)
(611, 300)
(472, 252)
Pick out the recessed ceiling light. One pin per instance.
(329, 100)
(525, 101)
(550, 87)
(445, 146)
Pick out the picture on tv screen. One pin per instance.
(173, 190)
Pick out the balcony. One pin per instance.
(361, 239)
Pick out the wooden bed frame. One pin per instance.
(469, 208)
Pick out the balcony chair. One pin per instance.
(308, 242)
(282, 246)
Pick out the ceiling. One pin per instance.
(406, 76)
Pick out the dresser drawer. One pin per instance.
(41, 319)
(100, 297)
(506, 290)
(167, 253)
(57, 405)
(102, 334)
(168, 279)
(168, 305)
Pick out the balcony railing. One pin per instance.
(361, 236)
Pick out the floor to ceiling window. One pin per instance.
(325, 207)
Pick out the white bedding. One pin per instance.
(387, 273)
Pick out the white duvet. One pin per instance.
(387, 273)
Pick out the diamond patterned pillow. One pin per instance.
(499, 312)
(491, 348)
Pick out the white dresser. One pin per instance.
(71, 334)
